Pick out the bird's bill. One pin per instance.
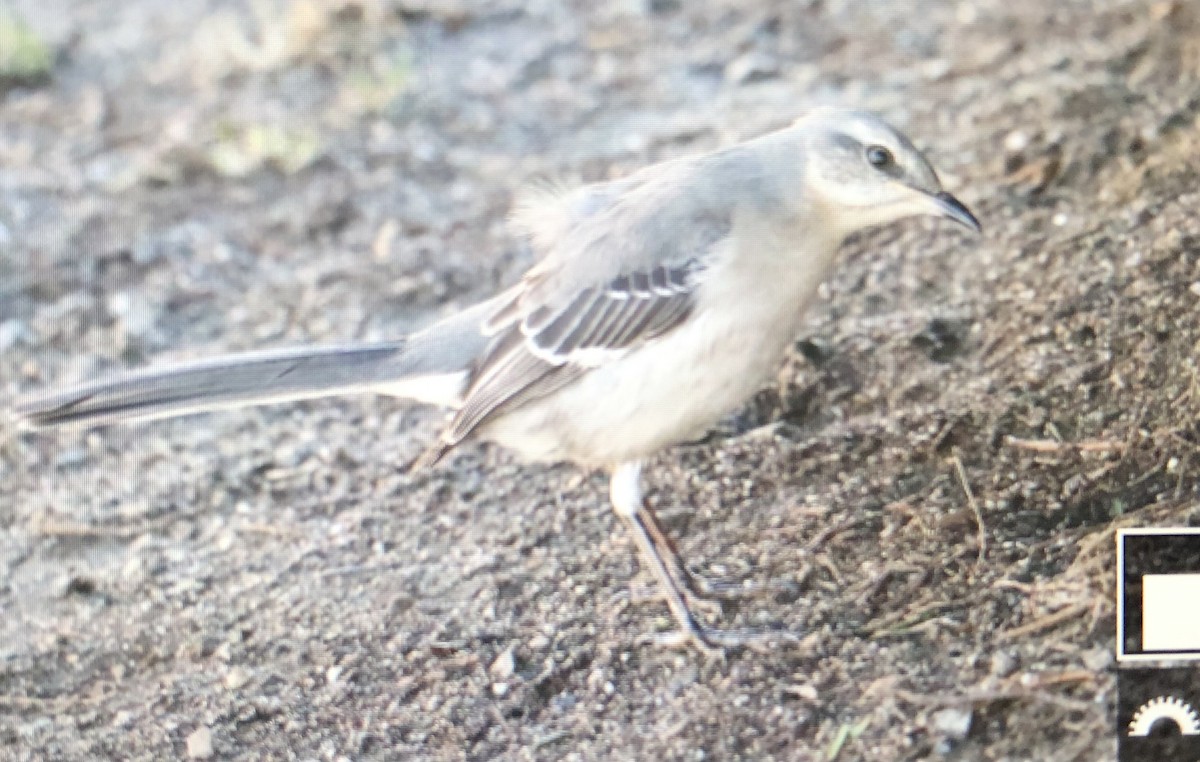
(951, 208)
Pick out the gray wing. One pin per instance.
(621, 266)
(602, 321)
(539, 350)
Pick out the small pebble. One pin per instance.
(136, 314)
(200, 744)
(504, 665)
(235, 678)
(596, 678)
(806, 691)
(1016, 141)
(952, 722)
(1003, 664)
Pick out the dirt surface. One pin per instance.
(930, 488)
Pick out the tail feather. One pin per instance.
(431, 366)
(226, 382)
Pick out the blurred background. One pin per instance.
(931, 485)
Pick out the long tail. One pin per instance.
(224, 382)
(429, 366)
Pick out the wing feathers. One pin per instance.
(614, 317)
(621, 265)
(549, 347)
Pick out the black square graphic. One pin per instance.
(1162, 555)
(1158, 714)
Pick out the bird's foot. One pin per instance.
(703, 588)
(706, 595)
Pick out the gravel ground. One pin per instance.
(929, 488)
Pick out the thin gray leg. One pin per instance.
(659, 554)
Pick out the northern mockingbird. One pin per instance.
(660, 303)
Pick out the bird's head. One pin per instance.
(871, 173)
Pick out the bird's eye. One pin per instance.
(880, 157)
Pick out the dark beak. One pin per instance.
(957, 211)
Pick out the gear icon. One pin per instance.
(1170, 708)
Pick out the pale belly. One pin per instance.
(676, 387)
(668, 391)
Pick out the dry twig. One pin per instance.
(962, 478)
(1043, 623)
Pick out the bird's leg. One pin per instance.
(653, 544)
(698, 588)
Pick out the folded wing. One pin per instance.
(626, 273)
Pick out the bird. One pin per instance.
(658, 303)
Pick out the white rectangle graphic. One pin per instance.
(1171, 612)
